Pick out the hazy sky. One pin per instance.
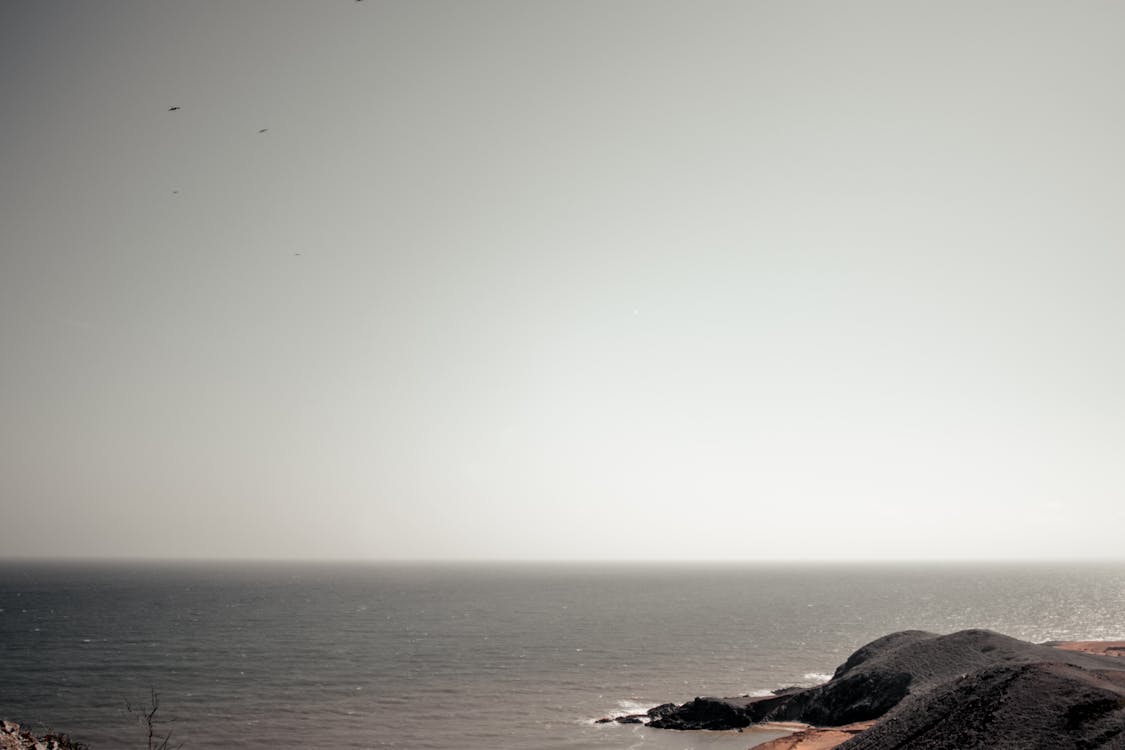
(706, 280)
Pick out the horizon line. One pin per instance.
(440, 561)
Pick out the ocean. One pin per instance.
(476, 657)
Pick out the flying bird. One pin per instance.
(173, 109)
(263, 130)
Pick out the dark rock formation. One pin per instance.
(707, 713)
(655, 712)
(631, 719)
(662, 710)
(1042, 706)
(884, 674)
(857, 696)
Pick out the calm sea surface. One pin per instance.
(476, 657)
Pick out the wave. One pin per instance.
(629, 706)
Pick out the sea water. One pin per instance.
(476, 657)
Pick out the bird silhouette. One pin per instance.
(263, 130)
(173, 109)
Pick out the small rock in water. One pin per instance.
(624, 719)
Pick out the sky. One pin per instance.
(513, 279)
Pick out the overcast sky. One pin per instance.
(610, 280)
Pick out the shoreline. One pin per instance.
(816, 738)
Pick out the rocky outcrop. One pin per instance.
(15, 737)
(906, 677)
(707, 713)
(653, 714)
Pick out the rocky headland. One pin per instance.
(923, 691)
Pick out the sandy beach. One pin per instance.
(1101, 648)
(816, 738)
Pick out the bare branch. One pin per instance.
(146, 715)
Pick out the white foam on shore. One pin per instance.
(817, 677)
(633, 707)
(623, 707)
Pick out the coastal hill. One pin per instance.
(919, 690)
(1010, 706)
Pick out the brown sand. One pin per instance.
(816, 739)
(1101, 648)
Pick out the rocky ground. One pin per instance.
(15, 737)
